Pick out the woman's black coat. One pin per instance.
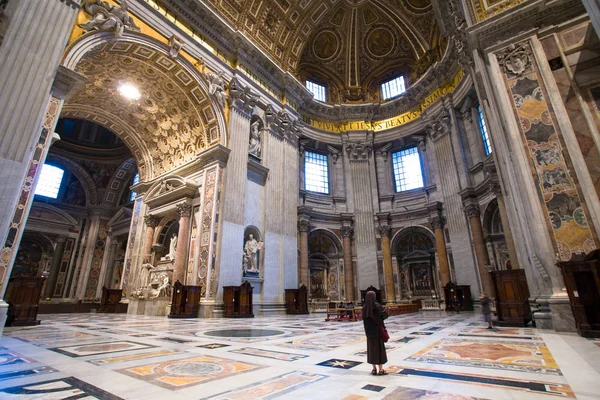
(371, 327)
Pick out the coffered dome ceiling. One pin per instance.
(351, 45)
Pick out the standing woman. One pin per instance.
(373, 315)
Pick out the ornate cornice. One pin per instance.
(241, 97)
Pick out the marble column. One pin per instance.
(110, 264)
(593, 9)
(347, 232)
(440, 245)
(183, 238)
(481, 254)
(303, 272)
(151, 224)
(384, 232)
(54, 269)
(510, 244)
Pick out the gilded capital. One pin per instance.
(347, 231)
(184, 209)
(437, 222)
(472, 210)
(359, 151)
(384, 230)
(303, 225)
(151, 220)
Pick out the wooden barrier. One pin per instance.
(355, 314)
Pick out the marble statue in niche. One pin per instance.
(254, 147)
(172, 248)
(106, 17)
(250, 259)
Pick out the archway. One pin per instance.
(495, 241)
(414, 250)
(325, 260)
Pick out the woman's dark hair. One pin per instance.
(369, 305)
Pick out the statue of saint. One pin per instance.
(251, 249)
(172, 248)
(254, 147)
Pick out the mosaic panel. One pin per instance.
(557, 185)
(178, 374)
(514, 356)
(64, 267)
(98, 255)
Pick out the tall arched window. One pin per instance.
(49, 183)
(136, 180)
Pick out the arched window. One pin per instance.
(49, 182)
(484, 132)
(393, 88)
(136, 180)
(407, 169)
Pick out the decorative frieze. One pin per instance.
(241, 97)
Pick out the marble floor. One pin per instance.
(431, 356)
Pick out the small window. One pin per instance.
(136, 180)
(49, 182)
(393, 88)
(407, 169)
(484, 132)
(317, 90)
(316, 173)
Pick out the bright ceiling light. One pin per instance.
(129, 91)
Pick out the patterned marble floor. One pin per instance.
(431, 356)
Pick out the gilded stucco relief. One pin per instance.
(484, 9)
(172, 122)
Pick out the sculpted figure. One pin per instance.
(254, 147)
(106, 17)
(251, 249)
(172, 248)
(216, 84)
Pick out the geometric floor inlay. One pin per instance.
(515, 356)
(178, 374)
(93, 349)
(66, 388)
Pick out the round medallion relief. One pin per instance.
(380, 42)
(325, 45)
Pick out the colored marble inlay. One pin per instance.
(133, 357)
(26, 373)
(9, 357)
(557, 185)
(336, 363)
(277, 355)
(405, 393)
(66, 388)
(213, 346)
(99, 348)
(178, 374)
(324, 343)
(272, 387)
(557, 389)
(516, 356)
